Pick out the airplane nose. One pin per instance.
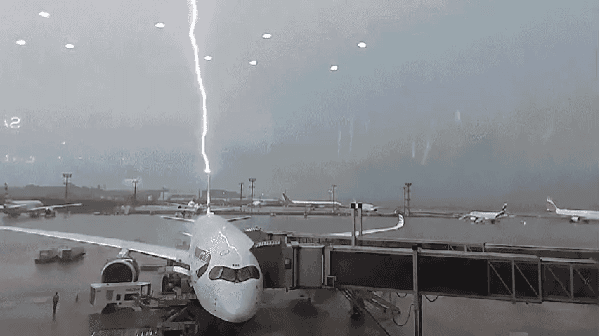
(240, 304)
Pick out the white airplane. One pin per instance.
(266, 202)
(312, 204)
(481, 216)
(225, 274)
(188, 210)
(33, 207)
(575, 215)
(368, 207)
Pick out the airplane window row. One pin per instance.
(234, 275)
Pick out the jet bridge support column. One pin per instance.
(417, 298)
(356, 212)
(353, 206)
(360, 230)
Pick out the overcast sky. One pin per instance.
(475, 102)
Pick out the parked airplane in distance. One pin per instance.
(368, 207)
(32, 207)
(188, 210)
(310, 204)
(481, 216)
(575, 215)
(263, 202)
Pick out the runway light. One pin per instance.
(208, 58)
(159, 25)
(362, 45)
(266, 36)
(69, 46)
(252, 62)
(333, 68)
(21, 42)
(44, 14)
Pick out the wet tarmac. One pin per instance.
(26, 288)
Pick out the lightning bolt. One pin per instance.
(194, 17)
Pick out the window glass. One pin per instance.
(215, 273)
(201, 270)
(243, 274)
(129, 297)
(254, 272)
(234, 275)
(228, 274)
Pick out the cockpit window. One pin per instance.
(201, 270)
(248, 272)
(202, 255)
(234, 275)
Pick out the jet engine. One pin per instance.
(48, 212)
(121, 269)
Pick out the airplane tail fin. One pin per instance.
(503, 211)
(550, 206)
(286, 199)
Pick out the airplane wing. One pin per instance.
(164, 252)
(179, 219)
(237, 218)
(52, 207)
(348, 234)
(193, 220)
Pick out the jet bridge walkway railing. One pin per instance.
(485, 271)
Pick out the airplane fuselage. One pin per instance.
(15, 208)
(226, 275)
(575, 215)
(484, 214)
(315, 204)
(583, 214)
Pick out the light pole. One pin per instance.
(333, 197)
(252, 180)
(407, 199)
(67, 176)
(135, 182)
(241, 190)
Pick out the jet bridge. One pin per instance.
(486, 271)
(423, 267)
